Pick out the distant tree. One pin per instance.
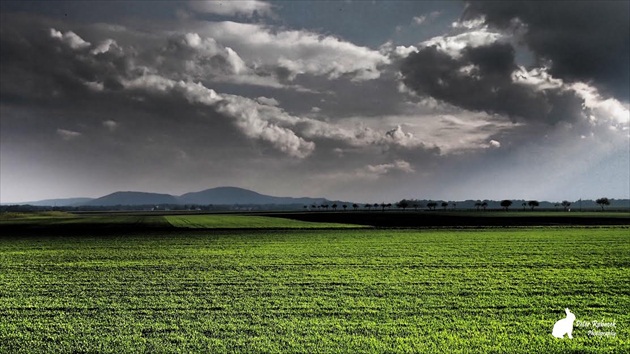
(313, 207)
(344, 207)
(334, 206)
(524, 205)
(533, 203)
(565, 204)
(478, 205)
(375, 205)
(506, 204)
(355, 206)
(368, 206)
(484, 205)
(454, 206)
(432, 205)
(416, 206)
(602, 202)
(383, 205)
(403, 204)
(444, 205)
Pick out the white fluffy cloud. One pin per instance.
(69, 38)
(253, 119)
(400, 137)
(368, 172)
(401, 51)
(447, 130)
(494, 144)
(453, 45)
(264, 122)
(262, 119)
(66, 134)
(601, 110)
(192, 92)
(398, 165)
(185, 63)
(190, 57)
(595, 111)
(103, 47)
(424, 19)
(538, 78)
(200, 57)
(267, 101)
(111, 125)
(298, 52)
(606, 110)
(353, 134)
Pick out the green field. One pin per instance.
(310, 291)
(65, 219)
(245, 222)
(192, 221)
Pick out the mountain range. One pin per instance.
(214, 196)
(239, 196)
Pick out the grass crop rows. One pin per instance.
(315, 291)
(245, 222)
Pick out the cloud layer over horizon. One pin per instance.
(483, 103)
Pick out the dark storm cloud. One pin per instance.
(43, 64)
(481, 80)
(42, 59)
(584, 40)
(93, 106)
(347, 98)
(46, 66)
(160, 77)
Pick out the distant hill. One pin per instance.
(234, 195)
(63, 202)
(132, 198)
(214, 196)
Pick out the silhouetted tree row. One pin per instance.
(406, 204)
(403, 205)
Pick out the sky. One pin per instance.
(347, 100)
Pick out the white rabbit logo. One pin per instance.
(564, 326)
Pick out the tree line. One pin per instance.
(415, 204)
(325, 206)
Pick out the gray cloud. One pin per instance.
(111, 125)
(583, 40)
(70, 38)
(481, 79)
(73, 71)
(68, 134)
(185, 105)
(246, 8)
(153, 75)
(290, 53)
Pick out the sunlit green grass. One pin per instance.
(224, 221)
(212, 221)
(472, 291)
(34, 216)
(61, 219)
